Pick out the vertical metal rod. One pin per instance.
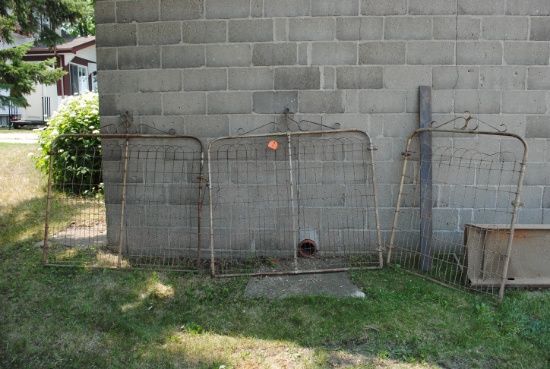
(199, 223)
(399, 195)
(376, 212)
(426, 184)
(48, 205)
(294, 235)
(123, 205)
(209, 185)
(517, 204)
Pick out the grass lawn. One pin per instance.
(92, 318)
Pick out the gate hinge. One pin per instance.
(521, 203)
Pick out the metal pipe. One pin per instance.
(209, 185)
(48, 205)
(517, 204)
(123, 203)
(294, 228)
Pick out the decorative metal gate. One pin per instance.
(140, 206)
(469, 180)
(293, 202)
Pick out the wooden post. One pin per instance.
(426, 188)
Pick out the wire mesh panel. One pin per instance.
(456, 224)
(292, 202)
(140, 209)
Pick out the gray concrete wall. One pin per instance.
(210, 67)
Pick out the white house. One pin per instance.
(77, 56)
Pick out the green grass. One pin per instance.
(93, 318)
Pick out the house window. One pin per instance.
(79, 79)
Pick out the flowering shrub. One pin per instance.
(77, 160)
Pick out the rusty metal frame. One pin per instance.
(127, 137)
(288, 135)
(516, 203)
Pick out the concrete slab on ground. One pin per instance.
(329, 284)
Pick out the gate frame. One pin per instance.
(289, 134)
(516, 203)
(126, 137)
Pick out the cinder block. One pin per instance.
(334, 53)
(250, 30)
(524, 102)
(445, 28)
(286, 8)
(359, 28)
(513, 123)
(320, 102)
(505, 28)
(407, 76)
(113, 35)
(400, 126)
(382, 53)
(442, 101)
(137, 11)
(275, 102)
(528, 7)
(221, 9)
(351, 103)
(139, 57)
(382, 7)
(108, 104)
(257, 8)
(205, 79)
(163, 124)
(159, 33)
(475, 7)
(234, 55)
(546, 201)
(540, 29)
(141, 103)
(274, 54)
(203, 32)
(186, 56)
(321, 8)
(538, 78)
(479, 53)
(118, 81)
(104, 12)
(452, 78)
(538, 127)
(328, 80)
(159, 80)
(297, 78)
(251, 79)
(537, 174)
(311, 29)
(502, 78)
(530, 216)
(229, 102)
(206, 125)
(408, 28)
(303, 53)
(181, 9)
(178, 103)
(382, 101)
(429, 7)
(430, 52)
(359, 77)
(477, 101)
(531, 196)
(281, 33)
(107, 58)
(526, 53)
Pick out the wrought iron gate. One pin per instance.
(293, 202)
(141, 207)
(471, 179)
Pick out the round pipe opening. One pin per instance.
(307, 248)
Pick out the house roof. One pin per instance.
(72, 45)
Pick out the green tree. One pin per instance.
(40, 18)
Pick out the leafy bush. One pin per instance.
(77, 160)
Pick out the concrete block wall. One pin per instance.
(210, 67)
